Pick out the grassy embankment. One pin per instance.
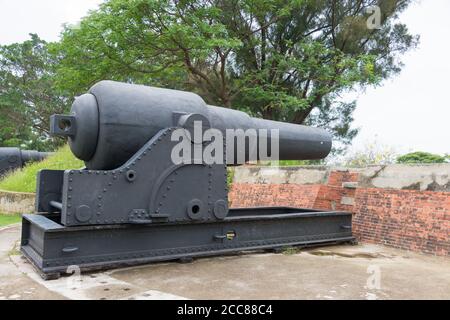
(25, 180)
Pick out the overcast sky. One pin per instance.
(409, 112)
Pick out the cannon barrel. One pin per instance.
(114, 120)
(13, 158)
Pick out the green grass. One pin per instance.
(25, 180)
(230, 176)
(9, 219)
(290, 251)
(292, 163)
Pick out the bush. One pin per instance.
(421, 157)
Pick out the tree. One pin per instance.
(421, 157)
(373, 153)
(27, 95)
(286, 60)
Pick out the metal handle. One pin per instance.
(346, 227)
(56, 204)
(220, 237)
(140, 221)
(69, 249)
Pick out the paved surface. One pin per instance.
(340, 272)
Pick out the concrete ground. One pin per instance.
(337, 272)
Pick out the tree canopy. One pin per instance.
(422, 157)
(28, 95)
(288, 60)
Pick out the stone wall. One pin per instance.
(406, 207)
(16, 202)
(433, 177)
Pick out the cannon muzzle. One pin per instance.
(114, 120)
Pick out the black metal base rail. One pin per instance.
(52, 248)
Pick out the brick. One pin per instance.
(407, 219)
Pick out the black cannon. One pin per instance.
(14, 158)
(137, 200)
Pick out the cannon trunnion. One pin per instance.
(134, 204)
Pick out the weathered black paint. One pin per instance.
(114, 120)
(133, 205)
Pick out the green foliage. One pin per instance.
(422, 157)
(27, 95)
(25, 180)
(292, 163)
(285, 60)
(7, 219)
(230, 177)
(289, 251)
(373, 153)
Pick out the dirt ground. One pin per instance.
(337, 272)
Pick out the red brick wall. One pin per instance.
(406, 219)
(337, 178)
(411, 220)
(243, 195)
